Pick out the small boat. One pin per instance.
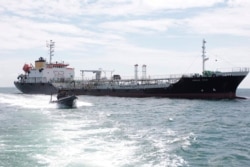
(64, 100)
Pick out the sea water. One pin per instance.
(123, 132)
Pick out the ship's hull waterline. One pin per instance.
(36, 88)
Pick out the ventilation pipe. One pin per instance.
(144, 71)
(136, 72)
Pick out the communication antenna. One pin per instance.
(51, 46)
(204, 58)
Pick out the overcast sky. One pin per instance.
(166, 35)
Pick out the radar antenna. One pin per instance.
(204, 58)
(51, 46)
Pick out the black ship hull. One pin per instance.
(221, 87)
(36, 88)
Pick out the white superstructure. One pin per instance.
(44, 72)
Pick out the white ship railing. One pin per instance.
(130, 78)
(33, 80)
(170, 76)
(235, 69)
(150, 81)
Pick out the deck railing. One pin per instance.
(158, 78)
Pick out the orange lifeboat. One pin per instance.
(26, 68)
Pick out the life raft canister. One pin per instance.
(26, 68)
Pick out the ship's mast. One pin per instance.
(51, 46)
(204, 58)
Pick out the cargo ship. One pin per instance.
(207, 85)
(39, 79)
